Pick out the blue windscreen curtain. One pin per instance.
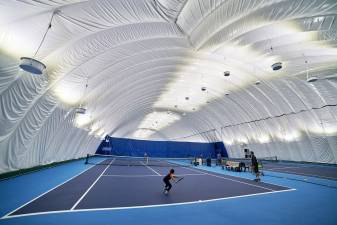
(172, 149)
(220, 148)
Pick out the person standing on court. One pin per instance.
(218, 159)
(146, 158)
(167, 178)
(255, 166)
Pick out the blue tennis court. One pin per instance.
(108, 191)
(109, 186)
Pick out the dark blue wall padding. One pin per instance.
(220, 148)
(132, 147)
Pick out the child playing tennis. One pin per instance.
(167, 179)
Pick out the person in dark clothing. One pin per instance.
(167, 179)
(218, 157)
(255, 167)
(146, 158)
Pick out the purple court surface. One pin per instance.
(109, 186)
(324, 171)
(313, 170)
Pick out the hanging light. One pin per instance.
(82, 117)
(81, 109)
(309, 79)
(312, 79)
(275, 66)
(34, 66)
(31, 65)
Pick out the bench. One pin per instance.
(197, 161)
(235, 165)
(232, 165)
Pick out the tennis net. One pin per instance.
(114, 160)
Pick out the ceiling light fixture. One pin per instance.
(312, 79)
(226, 73)
(34, 66)
(309, 79)
(81, 109)
(275, 66)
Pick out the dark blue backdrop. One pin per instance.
(132, 147)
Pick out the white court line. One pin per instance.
(187, 174)
(48, 191)
(112, 175)
(145, 206)
(85, 193)
(151, 169)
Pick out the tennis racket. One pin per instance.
(179, 179)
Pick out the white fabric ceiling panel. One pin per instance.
(327, 92)
(332, 140)
(17, 100)
(290, 93)
(204, 22)
(170, 9)
(154, 70)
